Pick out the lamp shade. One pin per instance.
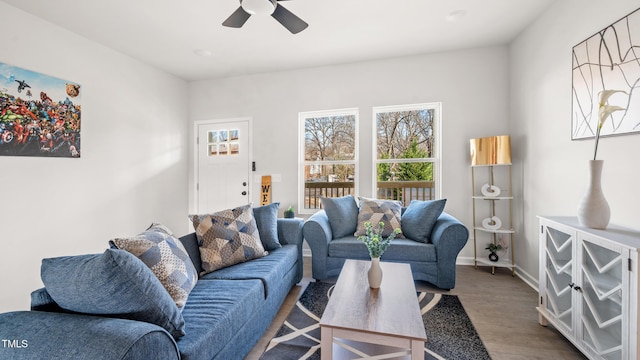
(493, 150)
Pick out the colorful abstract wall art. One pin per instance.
(608, 60)
(39, 114)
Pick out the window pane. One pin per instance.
(405, 171)
(330, 138)
(405, 134)
(405, 181)
(328, 181)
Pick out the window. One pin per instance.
(223, 142)
(329, 156)
(406, 152)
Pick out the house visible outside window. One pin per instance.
(329, 154)
(407, 165)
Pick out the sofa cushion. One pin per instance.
(227, 237)
(215, 312)
(269, 269)
(419, 217)
(114, 284)
(342, 213)
(376, 211)
(399, 250)
(267, 221)
(166, 257)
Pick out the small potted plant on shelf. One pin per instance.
(492, 251)
(289, 213)
(377, 245)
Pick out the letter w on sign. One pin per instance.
(265, 195)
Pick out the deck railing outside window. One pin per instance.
(404, 191)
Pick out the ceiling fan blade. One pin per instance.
(237, 19)
(289, 20)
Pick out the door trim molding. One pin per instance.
(196, 166)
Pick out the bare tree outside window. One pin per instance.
(329, 155)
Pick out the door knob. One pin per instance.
(244, 183)
(244, 193)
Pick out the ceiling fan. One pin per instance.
(267, 7)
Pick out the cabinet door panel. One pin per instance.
(603, 278)
(558, 274)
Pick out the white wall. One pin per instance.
(133, 168)
(471, 84)
(553, 171)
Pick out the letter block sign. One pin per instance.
(265, 195)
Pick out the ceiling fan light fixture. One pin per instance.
(259, 7)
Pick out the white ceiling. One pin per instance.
(165, 33)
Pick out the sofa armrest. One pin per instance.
(317, 233)
(290, 233)
(39, 335)
(449, 236)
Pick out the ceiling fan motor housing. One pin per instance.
(258, 7)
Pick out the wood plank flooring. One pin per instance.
(501, 307)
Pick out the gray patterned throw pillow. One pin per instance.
(227, 238)
(375, 211)
(166, 257)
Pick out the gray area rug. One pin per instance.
(450, 333)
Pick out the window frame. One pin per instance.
(302, 116)
(437, 146)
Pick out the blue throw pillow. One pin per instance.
(342, 213)
(267, 221)
(419, 217)
(114, 284)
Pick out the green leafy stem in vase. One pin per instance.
(373, 239)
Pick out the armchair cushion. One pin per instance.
(342, 213)
(419, 217)
(114, 284)
(376, 211)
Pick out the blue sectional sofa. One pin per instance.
(225, 315)
(433, 240)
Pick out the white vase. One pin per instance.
(375, 273)
(594, 211)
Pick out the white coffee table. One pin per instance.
(388, 316)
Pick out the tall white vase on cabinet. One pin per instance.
(594, 211)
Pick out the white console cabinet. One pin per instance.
(588, 286)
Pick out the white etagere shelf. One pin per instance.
(488, 210)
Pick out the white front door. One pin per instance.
(223, 165)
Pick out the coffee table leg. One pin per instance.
(417, 350)
(326, 342)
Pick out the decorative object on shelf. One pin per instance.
(377, 245)
(289, 213)
(594, 209)
(602, 62)
(492, 223)
(493, 256)
(490, 190)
